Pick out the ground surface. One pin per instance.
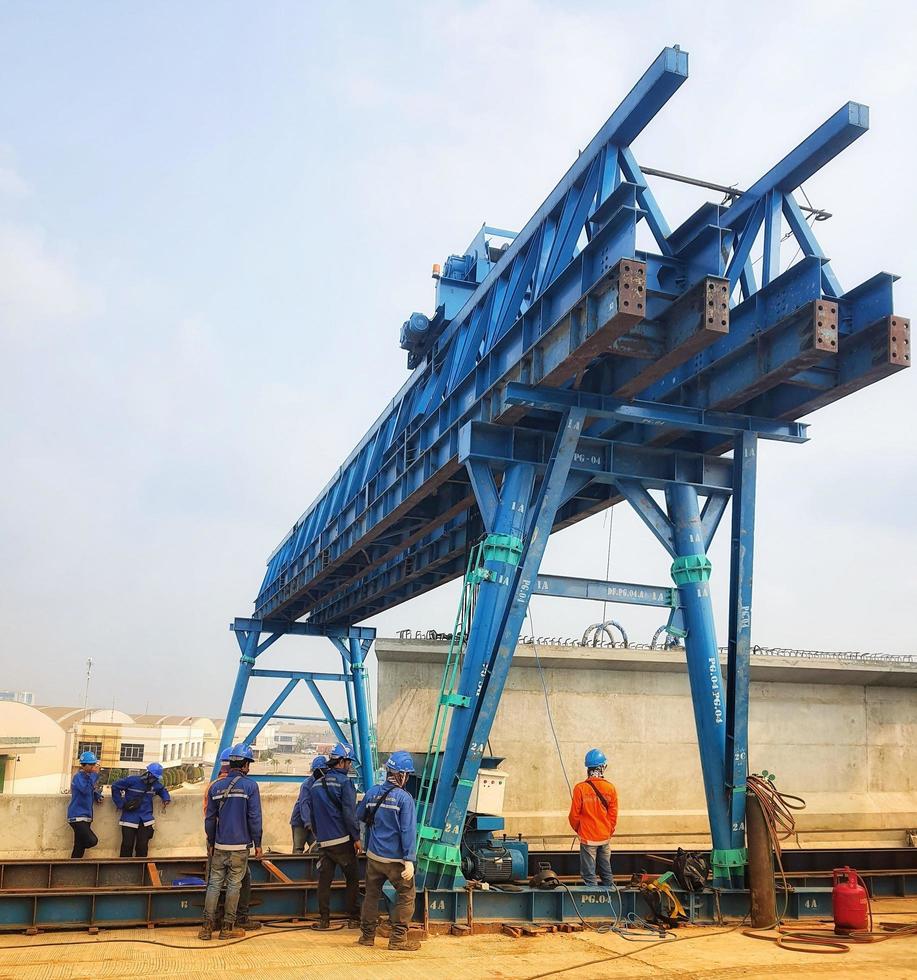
(709, 954)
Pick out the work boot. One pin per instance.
(323, 924)
(249, 925)
(206, 930)
(367, 937)
(401, 940)
(354, 924)
(231, 931)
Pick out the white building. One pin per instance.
(39, 747)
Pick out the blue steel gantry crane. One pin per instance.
(564, 371)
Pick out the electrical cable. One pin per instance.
(633, 952)
(610, 516)
(547, 704)
(155, 942)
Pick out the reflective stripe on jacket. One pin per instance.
(239, 823)
(393, 835)
(83, 794)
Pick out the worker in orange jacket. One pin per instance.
(594, 815)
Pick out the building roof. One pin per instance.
(66, 716)
(176, 721)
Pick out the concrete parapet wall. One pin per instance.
(843, 735)
(36, 826)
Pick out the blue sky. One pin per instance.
(214, 218)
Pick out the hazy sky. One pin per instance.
(215, 216)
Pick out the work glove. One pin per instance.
(408, 872)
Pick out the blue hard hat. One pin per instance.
(155, 769)
(225, 755)
(594, 758)
(400, 761)
(319, 762)
(88, 758)
(241, 752)
(341, 751)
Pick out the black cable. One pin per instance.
(155, 942)
(633, 952)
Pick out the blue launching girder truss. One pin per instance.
(565, 370)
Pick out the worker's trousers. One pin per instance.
(83, 838)
(377, 873)
(592, 858)
(135, 840)
(344, 857)
(227, 867)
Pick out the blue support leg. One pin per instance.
(739, 640)
(691, 573)
(500, 569)
(351, 711)
(511, 569)
(360, 695)
(249, 644)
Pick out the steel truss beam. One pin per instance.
(672, 333)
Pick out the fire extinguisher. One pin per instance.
(849, 901)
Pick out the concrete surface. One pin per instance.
(704, 953)
(841, 734)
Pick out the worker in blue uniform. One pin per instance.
(133, 797)
(389, 814)
(83, 796)
(330, 808)
(233, 826)
(302, 831)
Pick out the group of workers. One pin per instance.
(327, 810)
(132, 797)
(327, 814)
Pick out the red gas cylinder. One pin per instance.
(849, 901)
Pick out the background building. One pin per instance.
(23, 697)
(39, 747)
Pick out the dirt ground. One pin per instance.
(706, 953)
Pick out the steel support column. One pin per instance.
(360, 700)
(493, 635)
(509, 521)
(739, 640)
(249, 644)
(691, 572)
(348, 692)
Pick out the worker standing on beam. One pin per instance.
(243, 921)
(388, 812)
(233, 825)
(594, 816)
(330, 808)
(133, 797)
(301, 817)
(83, 796)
